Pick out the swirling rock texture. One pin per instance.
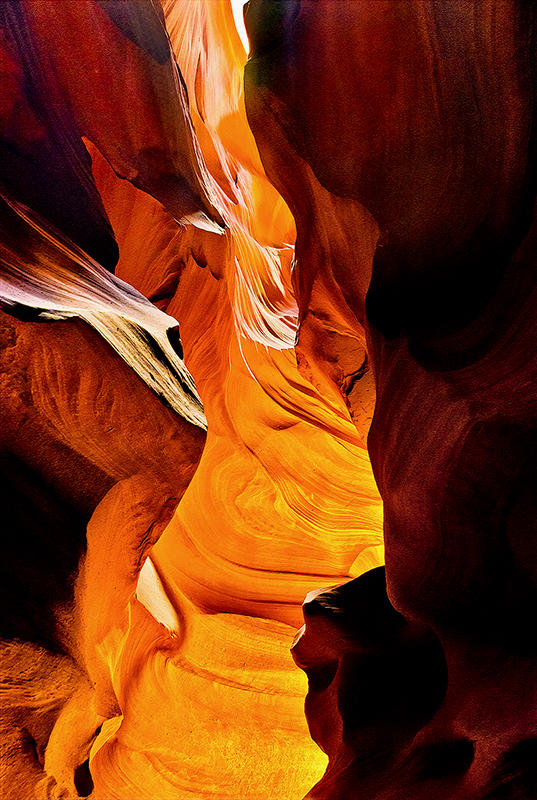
(145, 641)
(402, 136)
(187, 395)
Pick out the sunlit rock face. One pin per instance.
(187, 395)
(146, 641)
(402, 136)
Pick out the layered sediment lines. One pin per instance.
(171, 676)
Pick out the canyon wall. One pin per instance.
(148, 358)
(242, 300)
(402, 136)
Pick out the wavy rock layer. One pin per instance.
(75, 452)
(417, 166)
(153, 657)
(248, 537)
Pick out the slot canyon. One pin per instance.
(268, 382)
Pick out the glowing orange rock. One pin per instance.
(198, 662)
(249, 537)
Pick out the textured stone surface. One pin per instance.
(406, 131)
(177, 666)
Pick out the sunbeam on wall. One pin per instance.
(238, 16)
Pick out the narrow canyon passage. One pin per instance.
(190, 670)
(243, 296)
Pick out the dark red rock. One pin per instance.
(405, 133)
